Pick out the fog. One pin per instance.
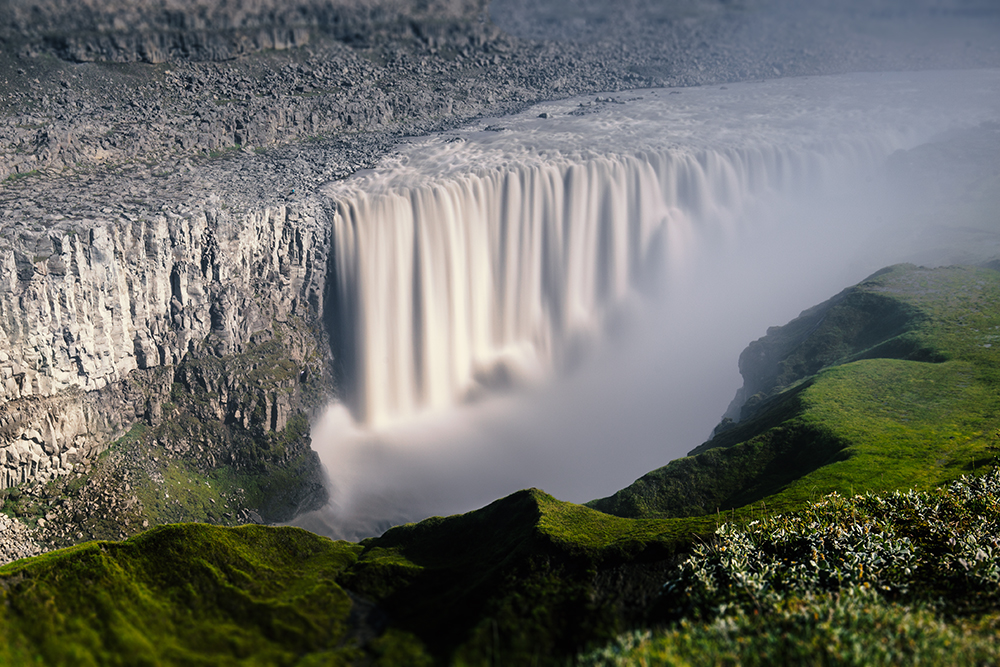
(659, 367)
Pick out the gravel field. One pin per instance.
(253, 125)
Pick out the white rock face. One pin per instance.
(86, 306)
(15, 540)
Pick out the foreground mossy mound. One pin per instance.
(526, 578)
(182, 594)
(893, 383)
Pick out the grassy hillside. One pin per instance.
(892, 579)
(892, 384)
(524, 577)
(182, 594)
(897, 384)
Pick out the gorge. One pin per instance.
(364, 268)
(551, 225)
(487, 259)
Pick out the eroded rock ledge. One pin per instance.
(92, 305)
(154, 32)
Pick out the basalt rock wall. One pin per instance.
(95, 315)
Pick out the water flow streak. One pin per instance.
(495, 275)
(482, 258)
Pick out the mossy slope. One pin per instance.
(523, 579)
(892, 384)
(180, 594)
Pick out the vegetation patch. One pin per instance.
(518, 581)
(912, 402)
(181, 594)
(226, 443)
(26, 174)
(884, 579)
(757, 549)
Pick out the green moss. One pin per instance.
(911, 401)
(181, 594)
(516, 581)
(902, 392)
(26, 174)
(398, 648)
(213, 154)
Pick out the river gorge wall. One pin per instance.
(95, 313)
(417, 296)
(467, 259)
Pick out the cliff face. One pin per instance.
(90, 310)
(841, 328)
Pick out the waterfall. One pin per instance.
(681, 223)
(491, 275)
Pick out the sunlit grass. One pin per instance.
(900, 578)
(181, 594)
(867, 421)
(761, 573)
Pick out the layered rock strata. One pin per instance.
(154, 32)
(401, 68)
(88, 311)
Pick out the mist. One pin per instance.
(659, 372)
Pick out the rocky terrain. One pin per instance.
(164, 256)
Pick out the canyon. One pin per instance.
(348, 265)
(164, 223)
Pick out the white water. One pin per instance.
(481, 260)
(500, 273)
